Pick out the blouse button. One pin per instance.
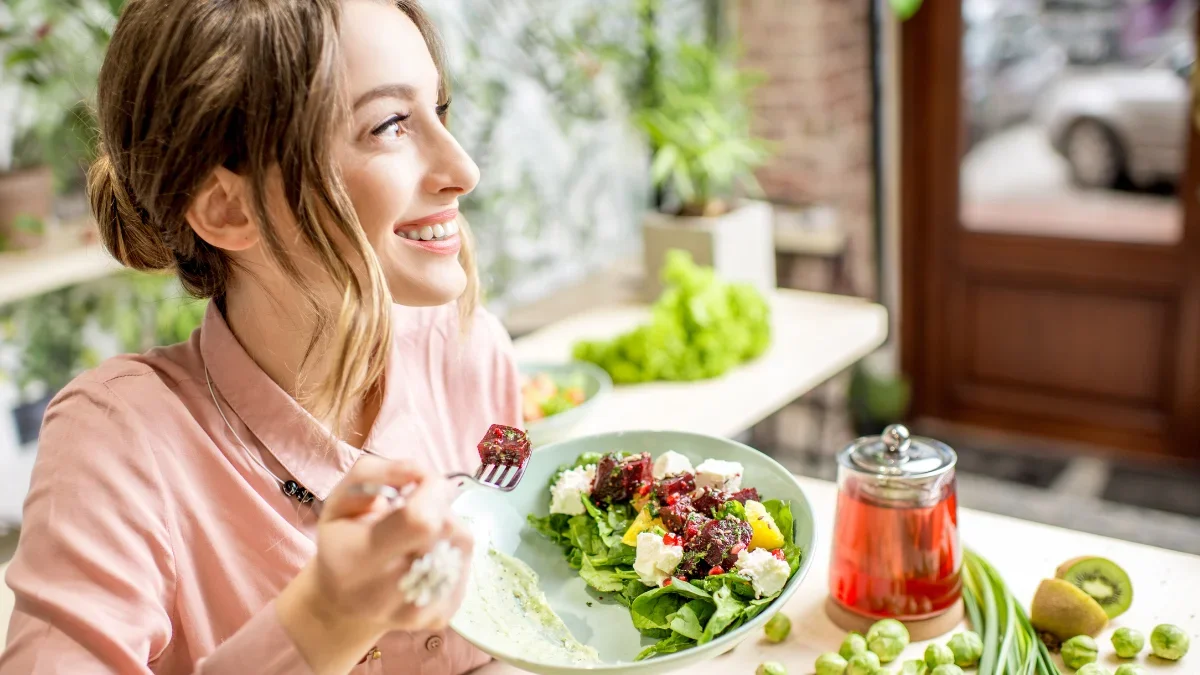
(376, 655)
(434, 643)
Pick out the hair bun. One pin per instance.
(124, 227)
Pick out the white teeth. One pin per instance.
(426, 233)
(415, 235)
(439, 231)
(452, 227)
(431, 232)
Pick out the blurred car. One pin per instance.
(1009, 63)
(1123, 124)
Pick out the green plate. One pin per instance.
(606, 625)
(596, 386)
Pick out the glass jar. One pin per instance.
(896, 550)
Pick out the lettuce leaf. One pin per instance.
(728, 610)
(669, 645)
(653, 611)
(606, 579)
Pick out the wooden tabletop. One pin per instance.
(1166, 590)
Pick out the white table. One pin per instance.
(815, 337)
(1166, 590)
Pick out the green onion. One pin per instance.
(1011, 645)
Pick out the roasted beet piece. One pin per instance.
(717, 541)
(743, 496)
(683, 484)
(675, 515)
(506, 446)
(619, 479)
(694, 523)
(709, 500)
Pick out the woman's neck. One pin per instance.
(276, 334)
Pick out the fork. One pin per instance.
(488, 476)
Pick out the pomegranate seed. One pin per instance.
(684, 580)
(672, 498)
(737, 549)
(644, 490)
(667, 581)
(671, 539)
(716, 570)
(778, 553)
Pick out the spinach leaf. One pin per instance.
(605, 579)
(689, 620)
(729, 609)
(731, 508)
(553, 527)
(620, 554)
(756, 607)
(652, 610)
(585, 536)
(670, 645)
(735, 582)
(633, 589)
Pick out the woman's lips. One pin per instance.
(437, 233)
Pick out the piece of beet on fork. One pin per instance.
(506, 446)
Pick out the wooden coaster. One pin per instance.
(918, 630)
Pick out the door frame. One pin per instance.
(933, 246)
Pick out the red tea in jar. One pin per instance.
(896, 550)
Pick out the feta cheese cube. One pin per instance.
(656, 561)
(720, 475)
(671, 463)
(567, 494)
(766, 573)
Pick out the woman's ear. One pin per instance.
(220, 213)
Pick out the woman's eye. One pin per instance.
(391, 127)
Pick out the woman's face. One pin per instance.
(403, 170)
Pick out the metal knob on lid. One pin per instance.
(896, 440)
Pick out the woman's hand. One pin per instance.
(348, 596)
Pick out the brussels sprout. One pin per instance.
(854, 643)
(1128, 642)
(967, 647)
(1092, 669)
(830, 664)
(887, 638)
(914, 667)
(778, 627)
(1130, 669)
(938, 655)
(1168, 642)
(947, 669)
(1079, 651)
(866, 663)
(771, 668)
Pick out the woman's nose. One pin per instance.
(451, 169)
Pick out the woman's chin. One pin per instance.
(439, 287)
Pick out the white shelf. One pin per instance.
(64, 260)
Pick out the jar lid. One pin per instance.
(896, 453)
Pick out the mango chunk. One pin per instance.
(765, 533)
(643, 523)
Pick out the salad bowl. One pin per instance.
(591, 382)
(502, 523)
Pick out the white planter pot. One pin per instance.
(739, 245)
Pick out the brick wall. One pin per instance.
(816, 105)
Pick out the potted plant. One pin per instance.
(696, 119)
(50, 51)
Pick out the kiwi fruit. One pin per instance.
(1063, 610)
(1102, 579)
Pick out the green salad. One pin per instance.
(691, 552)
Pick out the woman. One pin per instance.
(212, 506)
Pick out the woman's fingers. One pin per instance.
(417, 523)
(364, 487)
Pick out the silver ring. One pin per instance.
(395, 498)
(432, 575)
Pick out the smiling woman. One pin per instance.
(208, 505)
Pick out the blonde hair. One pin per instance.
(191, 85)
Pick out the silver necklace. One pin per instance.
(290, 487)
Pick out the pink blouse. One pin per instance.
(152, 542)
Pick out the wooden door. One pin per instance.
(1036, 298)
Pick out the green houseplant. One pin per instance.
(50, 54)
(696, 119)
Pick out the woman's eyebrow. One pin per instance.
(401, 91)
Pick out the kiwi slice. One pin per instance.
(1102, 579)
(1064, 611)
